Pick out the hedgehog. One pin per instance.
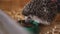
(44, 10)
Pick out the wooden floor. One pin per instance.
(14, 8)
